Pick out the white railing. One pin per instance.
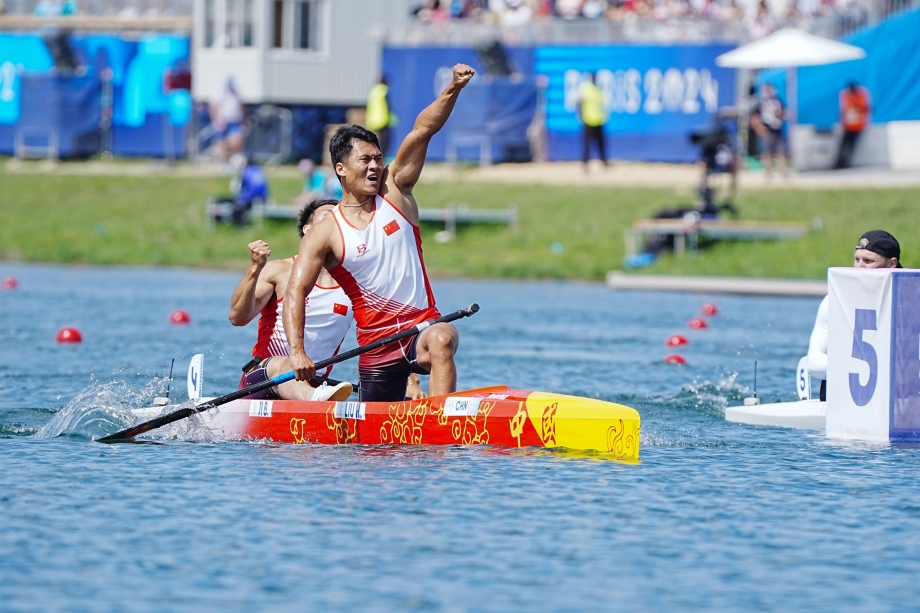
(564, 31)
(555, 31)
(100, 8)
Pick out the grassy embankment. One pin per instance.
(159, 220)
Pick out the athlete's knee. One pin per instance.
(442, 341)
(276, 366)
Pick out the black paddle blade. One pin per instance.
(129, 433)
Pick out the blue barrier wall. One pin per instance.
(890, 71)
(500, 109)
(418, 74)
(655, 94)
(35, 97)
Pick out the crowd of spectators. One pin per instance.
(760, 16)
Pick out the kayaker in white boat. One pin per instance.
(875, 249)
(371, 245)
(261, 291)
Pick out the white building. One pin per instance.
(323, 52)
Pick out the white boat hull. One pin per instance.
(802, 414)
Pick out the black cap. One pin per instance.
(882, 243)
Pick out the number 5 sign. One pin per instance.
(873, 354)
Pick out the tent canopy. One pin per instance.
(789, 48)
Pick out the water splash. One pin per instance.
(94, 412)
(103, 409)
(16, 429)
(685, 417)
(711, 397)
(193, 429)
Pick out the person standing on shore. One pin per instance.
(593, 115)
(371, 244)
(854, 117)
(378, 118)
(226, 111)
(767, 120)
(875, 249)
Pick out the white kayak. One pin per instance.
(803, 414)
(806, 413)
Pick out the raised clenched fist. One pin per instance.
(259, 253)
(463, 74)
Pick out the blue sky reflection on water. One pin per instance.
(716, 515)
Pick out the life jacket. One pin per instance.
(378, 111)
(854, 109)
(593, 112)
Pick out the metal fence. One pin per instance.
(99, 7)
(462, 33)
(465, 33)
(856, 16)
(266, 133)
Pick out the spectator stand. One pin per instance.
(534, 22)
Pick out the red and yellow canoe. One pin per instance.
(486, 416)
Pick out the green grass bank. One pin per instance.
(159, 220)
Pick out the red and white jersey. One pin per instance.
(383, 273)
(327, 317)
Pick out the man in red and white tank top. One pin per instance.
(372, 246)
(328, 317)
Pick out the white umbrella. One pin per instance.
(789, 48)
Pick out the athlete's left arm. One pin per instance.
(405, 170)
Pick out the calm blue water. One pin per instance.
(715, 516)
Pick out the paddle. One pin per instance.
(129, 433)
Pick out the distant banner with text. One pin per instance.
(654, 96)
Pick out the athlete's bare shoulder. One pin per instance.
(389, 190)
(276, 273)
(323, 241)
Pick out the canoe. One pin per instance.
(486, 416)
(802, 414)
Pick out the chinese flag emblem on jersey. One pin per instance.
(391, 227)
(339, 309)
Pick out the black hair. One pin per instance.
(343, 140)
(306, 213)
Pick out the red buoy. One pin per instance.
(69, 334)
(709, 309)
(179, 317)
(697, 324)
(675, 340)
(675, 359)
(10, 283)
